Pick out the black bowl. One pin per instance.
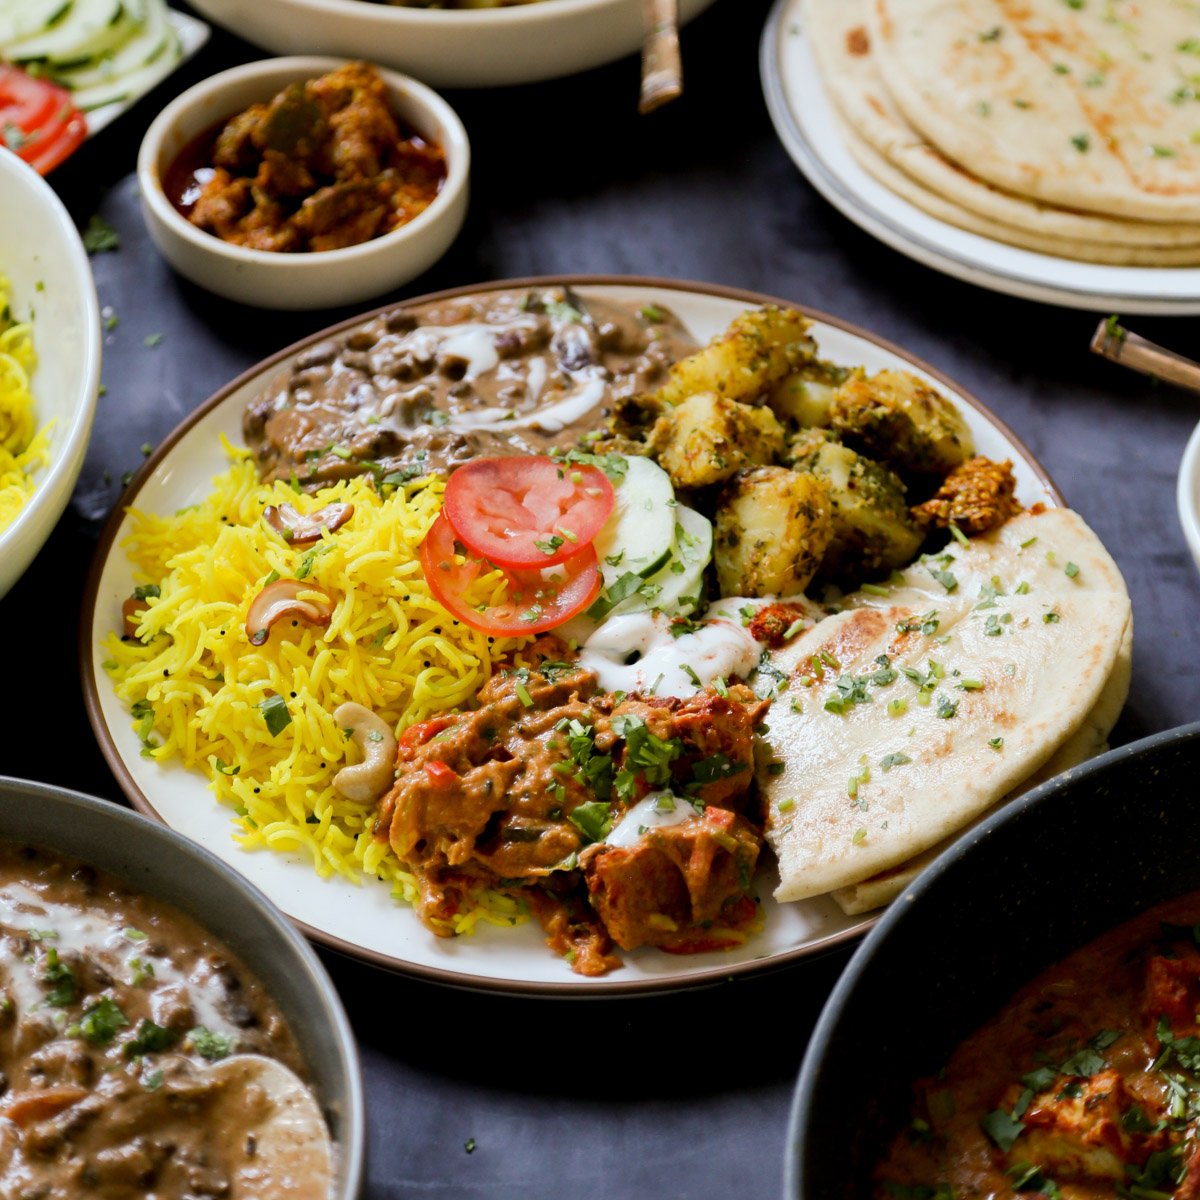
(1054, 869)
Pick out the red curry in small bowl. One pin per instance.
(1086, 1085)
(323, 165)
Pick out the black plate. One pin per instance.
(1072, 859)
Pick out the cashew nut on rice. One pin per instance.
(369, 779)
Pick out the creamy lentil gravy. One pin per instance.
(1086, 1084)
(427, 387)
(115, 1013)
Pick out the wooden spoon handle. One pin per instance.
(1117, 344)
(662, 70)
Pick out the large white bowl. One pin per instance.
(464, 48)
(1188, 495)
(48, 271)
(309, 280)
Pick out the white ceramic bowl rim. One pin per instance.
(399, 14)
(1188, 494)
(455, 146)
(46, 480)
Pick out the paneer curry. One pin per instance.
(1085, 1086)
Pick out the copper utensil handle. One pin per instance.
(1117, 344)
(662, 69)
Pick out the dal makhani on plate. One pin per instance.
(739, 609)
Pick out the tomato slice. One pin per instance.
(61, 146)
(534, 603)
(527, 511)
(26, 102)
(38, 120)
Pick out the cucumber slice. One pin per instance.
(89, 29)
(145, 45)
(24, 18)
(677, 587)
(637, 537)
(135, 83)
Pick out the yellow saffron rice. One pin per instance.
(195, 684)
(23, 447)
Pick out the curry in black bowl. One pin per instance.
(1025, 1020)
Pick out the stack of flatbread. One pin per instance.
(1069, 127)
(907, 716)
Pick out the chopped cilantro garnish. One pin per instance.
(275, 713)
(593, 819)
(149, 1039)
(101, 1021)
(213, 1046)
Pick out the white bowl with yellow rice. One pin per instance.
(49, 362)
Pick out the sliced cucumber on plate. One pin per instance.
(637, 537)
(89, 29)
(129, 85)
(676, 588)
(102, 51)
(24, 18)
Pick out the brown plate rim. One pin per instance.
(573, 987)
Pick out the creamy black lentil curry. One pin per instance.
(427, 387)
(128, 1044)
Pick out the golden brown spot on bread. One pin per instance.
(857, 42)
(860, 632)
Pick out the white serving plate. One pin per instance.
(192, 35)
(805, 119)
(466, 48)
(364, 921)
(43, 258)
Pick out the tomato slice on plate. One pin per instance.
(38, 122)
(535, 603)
(52, 150)
(527, 511)
(27, 103)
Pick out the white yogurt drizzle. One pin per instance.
(655, 811)
(720, 648)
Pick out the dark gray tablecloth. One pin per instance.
(683, 1096)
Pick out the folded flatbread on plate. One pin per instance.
(888, 147)
(1083, 105)
(1090, 739)
(908, 715)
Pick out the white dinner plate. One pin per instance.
(193, 33)
(806, 121)
(365, 921)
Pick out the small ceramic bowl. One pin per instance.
(167, 865)
(43, 259)
(1188, 495)
(1049, 872)
(307, 280)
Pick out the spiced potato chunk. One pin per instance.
(614, 818)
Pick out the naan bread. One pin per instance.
(1090, 739)
(887, 146)
(1023, 646)
(1085, 106)
(1113, 253)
